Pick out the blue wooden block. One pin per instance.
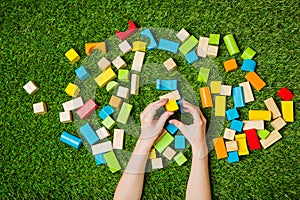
(105, 112)
(249, 65)
(99, 158)
(179, 142)
(70, 140)
(171, 128)
(238, 97)
(168, 45)
(191, 57)
(82, 73)
(166, 84)
(179, 103)
(89, 134)
(233, 157)
(232, 114)
(147, 33)
(236, 125)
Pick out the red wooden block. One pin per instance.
(87, 109)
(252, 139)
(285, 94)
(131, 30)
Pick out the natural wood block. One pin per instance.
(31, 87)
(119, 63)
(226, 90)
(231, 146)
(256, 124)
(40, 108)
(103, 64)
(202, 47)
(102, 133)
(212, 50)
(65, 117)
(73, 104)
(271, 139)
(115, 101)
(102, 147)
(157, 163)
(135, 84)
(138, 60)
(271, 105)
(170, 64)
(125, 47)
(278, 123)
(171, 96)
(248, 94)
(169, 153)
(123, 92)
(182, 35)
(229, 134)
(118, 139)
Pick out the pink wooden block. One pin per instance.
(87, 109)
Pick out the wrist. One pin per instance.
(200, 151)
(142, 146)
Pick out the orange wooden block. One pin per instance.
(255, 80)
(220, 147)
(205, 97)
(89, 47)
(230, 65)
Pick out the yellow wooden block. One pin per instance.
(152, 154)
(242, 144)
(260, 115)
(220, 108)
(287, 111)
(72, 90)
(171, 105)
(215, 87)
(139, 46)
(72, 56)
(105, 77)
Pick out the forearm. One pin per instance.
(131, 183)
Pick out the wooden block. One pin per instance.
(130, 31)
(220, 147)
(256, 124)
(271, 105)
(101, 147)
(206, 99)
(152, 154)
(125, 47)
(119, 63)
(157, 163)
(65, 117)
(105, 77)
(203, 74)
(135, 84)
(252, 139)
(89, 134)
(188, 45)
(202, 47)
(102, 133)
(73, 104)
(138, 60)
(124, 113)
(40, 108)
(229, 134)
(123, 92)
(171, 96)
(111, 85)
(271, 139)
(215, 87)
(255, 80)
(115, 101)
(169, 153)
(220, 106)
(72, 56)
(278, 123)
(152, 43)
(285, 94)
(230, 65)
(182, 35)
(165, 140)
(87, 109)
(260, 115)
(170, 64)
(112, 161)
(248, 95)
(180, 159)
(118, 139)
(72, 90)
(30, 87)
(139, 46)
(263, 134)
(171, 105)
(103, 64)
(242, 144)
(226, 90)
(90, 47)
(231, 146)
(212, 51)
(287, 111)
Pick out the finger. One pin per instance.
(191, 109)
(151, 105)
(200, 112)
(163, 118)
(154, 107)
(181, 126)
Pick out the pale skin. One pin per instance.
(198, 187)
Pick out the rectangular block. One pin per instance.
(99, 159)
(229, 134)
(179, 142)
(260, 115)
(118, 139)
(138, 60)
(226, 90)
(287, 109)
(242, 144)
(215, 87)
(180, 159)
(203, 74)
(171, 105)
(255, 80)
(101, 147)
(168, 45)
(105, 77)
(135, 84)
(232, 114)
(169, 153)
(89, 134)
(139, 46)
(163, 142)
(238, 97)
(247, 91)
(166, 84)
(102, 133)
(191, 57)
(249, 65)
(123, 92)
(256, 124)
(236, 125)
(171, 96)
(273, 137)
(231, 146)
(124, 113)
(220, 106)
(248, 54)
(188, 45)
(157, 163)
(115, 101)
(70, 140)
(252, 139)
(278, 123)
(205, 97)
(87, 109)
(152, 154)
(271, 105)
(233, 157)
(220, 147)
(73, 104)
(171, 128)
(112, 161)
(202, 47)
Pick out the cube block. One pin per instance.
(248, 65)
(183, 35)
(231, 146)
(233, 157)
(157, 163)
(125, 47)
(123, 75)
(285, 94)
(248, 53)
(180, 159)
(191, 57)
(236, 125)
(40, 108)
(226, 90)
(108, 122)
(103, 64)
(214, 39)
(115, 101)
(139, 46)
(169, 153)
(170, 64)
(230, 65)
(72, 90)
(30, 87)
(232, 114)
(171, 128)
(171, 105)
(229, 134)
(179, 142)
(65, 117)
(82, 73)
(215, 87)
(72, 56)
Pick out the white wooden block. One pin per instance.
(65, 117)
(125, 47)
(73, 104)
(31, 87)
(229, 134)
(202, 47)
(103, 64)
(102, 133)
(101, 147)
(257, 124)
(273, 137)
(157, 163)
(40, 108)
(171, 96)
(248, 94)
(119, 63)
(212, 50)
(170, 64)
(123, 92)
(169, 153)
(138, 60)
(118, 139)
(226, 90)
(231, 146)
(271, 105)
(278, 123)
(183, 35)
(135, 84)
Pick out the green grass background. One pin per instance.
(34, 35)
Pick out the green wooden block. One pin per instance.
(123, 75)
(203, 74)
(164, 142)
(263, 134)
(112, 161)
(188, 45)
(108, 122)
(248, 54)
(231, 45)
(111, 85)
(180, 159)
(124, 113)
(214, 39)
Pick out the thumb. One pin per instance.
(178, 124)
(163, 118)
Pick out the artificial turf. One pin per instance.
(34, 36)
